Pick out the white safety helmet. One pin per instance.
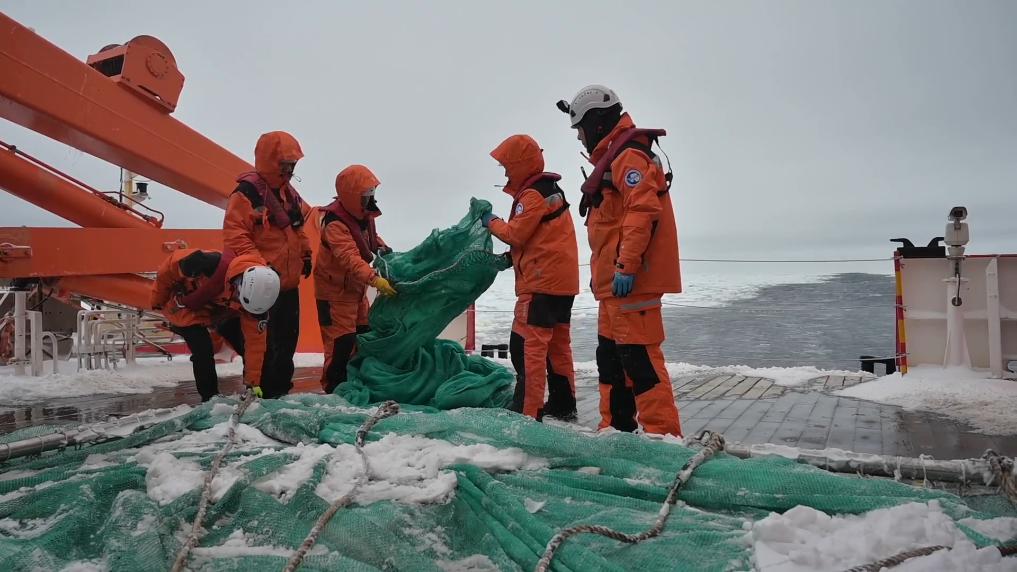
(259, 287)
(591, 97)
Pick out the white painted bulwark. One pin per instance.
(988, 311)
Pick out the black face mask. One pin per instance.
(371, 206)
(200, 263)
(597, 123)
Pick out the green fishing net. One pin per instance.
(511, 484)
(400, 358)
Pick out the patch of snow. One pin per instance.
(804, 539)
(168, 478)
(285, 482)
(28, 528)
(434, 540)
(238, 545)
(222, 408)
(98, 461)
(533, 506)
(475, 563)
(409, 468)
(247, 439)
(146, 524)
(785, 376)
(1002, 529)
(224, 479)
(20, 474)
(87, 566)
(958, 393)
(147, 374)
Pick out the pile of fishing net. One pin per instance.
(400, 358)
(469, 489)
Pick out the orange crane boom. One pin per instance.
(115, 106)
(121, 118)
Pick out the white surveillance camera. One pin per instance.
(956, 235)
(958, 214)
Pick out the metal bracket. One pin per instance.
(9, 251)
(178, 244)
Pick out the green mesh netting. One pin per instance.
(400, 359)
(97, 504)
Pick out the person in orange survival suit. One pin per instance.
(265, 216)
(634, 261)
(251, 289)
(545, 257)
(342, 271)
(182, 276)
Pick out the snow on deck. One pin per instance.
(931, 413)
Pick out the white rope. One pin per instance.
(386, 409)
(711, 442)
(206, 492)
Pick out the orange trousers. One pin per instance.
(541, 348)
(340, 322)
(634, 383)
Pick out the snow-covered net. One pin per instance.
(467, 489)
(400, 359)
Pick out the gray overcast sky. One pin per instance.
(795, 128)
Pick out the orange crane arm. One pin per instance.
(63, 195)
(122, 118)
(54, 252)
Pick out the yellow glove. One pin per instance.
(258, 392)
(383, 286)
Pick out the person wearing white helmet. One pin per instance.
(258, 289)
(184, 285)
(252, 289)
(634, 261)
(196, 289)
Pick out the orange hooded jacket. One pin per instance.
(633, 231)
(342, 272)
(545, 255)
(171, 284)
(250, 230)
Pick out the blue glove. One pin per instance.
(487, 218)
(623, 284)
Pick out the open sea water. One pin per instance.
(744, 314)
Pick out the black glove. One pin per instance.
(307, 267)
(505, 261)
(384, 250)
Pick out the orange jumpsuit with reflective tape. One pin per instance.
(633, 231)
(342, 272)
(264, 218)
(545, 258)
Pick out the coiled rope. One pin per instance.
(1003, 469)
(711, 443)
(896, 559)
(206, 492)
(386, 409)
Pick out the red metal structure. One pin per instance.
(115, 106)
